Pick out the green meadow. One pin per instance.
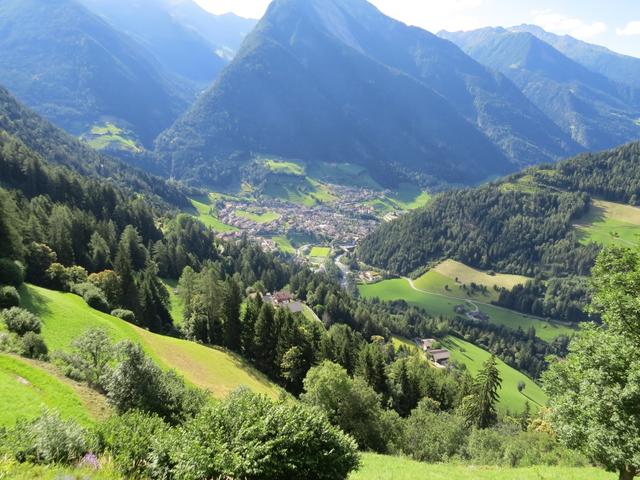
(382, 467)
(610, 223)
(320, 252)
(66, 316)
(203, 213)
(263, 218)
(438, 304)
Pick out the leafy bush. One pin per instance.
(91, 294)
(251, 437)
(20, 321)
(33, 346)
(89, 358)
(431, 436)
(9, 297)
(126, 315)
(47, 439)
(11, 272)
(131, 440)
(57, 277)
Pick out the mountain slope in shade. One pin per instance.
(76, 70)
(58, 147)
(620, 68)
(597, 112)
(339, 81)
(179, 48)
(226, 31)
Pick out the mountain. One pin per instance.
(620, 68)
(524, 224)
(179, 48)
(226, 31)
(339, 81)
(75, 69)
(57, 147)
(597, 112)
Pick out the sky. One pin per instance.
(612, 23)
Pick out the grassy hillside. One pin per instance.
(610, 223)
(473, 357)
(203, 213)
(28, 387)
(380, 467)
(65, 316)
(443, 304)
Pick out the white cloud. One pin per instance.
(566, 25)
(631, 29)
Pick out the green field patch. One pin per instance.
(610, 224)
(409, 197)
(110, 136)
(510, 398)
(442, 305)
(262, 218)
(320, 252)
(176, 304)
(285, 167)
(204, 214)
(66, 316)
(27, 389)
(284, 244)
(347, 174)
(382, 467)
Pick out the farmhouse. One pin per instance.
(283, 300)
(439, 356)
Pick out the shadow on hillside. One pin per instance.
(33, 301)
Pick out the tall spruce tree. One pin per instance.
(231, 303)
(480, 407)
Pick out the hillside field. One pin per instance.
(473, 357)
(443, 304)
(203, 214)
(66, 316)
(29, 387)
(610, 223)
(381, 467)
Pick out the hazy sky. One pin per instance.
(612, 23)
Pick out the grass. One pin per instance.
(343, 174)
(177, 305)
(467, 275)
(442, 305)
(264, 218)
(409, 197)
(204, 215)
(309, 314)
(320, 252)
(610, 223)
(17, 471)
(284, 244)
(381, 467)
(473, 357)
(66, 316)
(109, 135)
(285, 167)
(510, 398)
(28, 389)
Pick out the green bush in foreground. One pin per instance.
(9, 297)
(20, 321)
(11, 273)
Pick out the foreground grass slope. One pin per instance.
(380, 467)
(26, 389)
(66, 316)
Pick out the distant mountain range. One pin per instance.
(339, 81)
(596, 111)
(197, 97)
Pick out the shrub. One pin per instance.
(131, 440)
(47, 439)
(57, 277)
(11, 272)
(39, 259)
(92, 295)
(33, 346)
(77, 274)
(432, 436)
(21, 321)
(251, 437)
(126, 315)
(89, 358)
(9, 297)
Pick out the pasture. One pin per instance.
(610, 223)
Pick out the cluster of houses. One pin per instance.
(283, 300)
(439, 357)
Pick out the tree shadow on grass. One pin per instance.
(33, 301)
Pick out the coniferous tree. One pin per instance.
(100, 253)
(10, 237)
(232, 327)
(480, 407)
(265, 340)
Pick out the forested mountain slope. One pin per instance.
(522, 224)
(339, 81)
(178, 47)
(597, 112)
(78, 71)
(40, 140)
